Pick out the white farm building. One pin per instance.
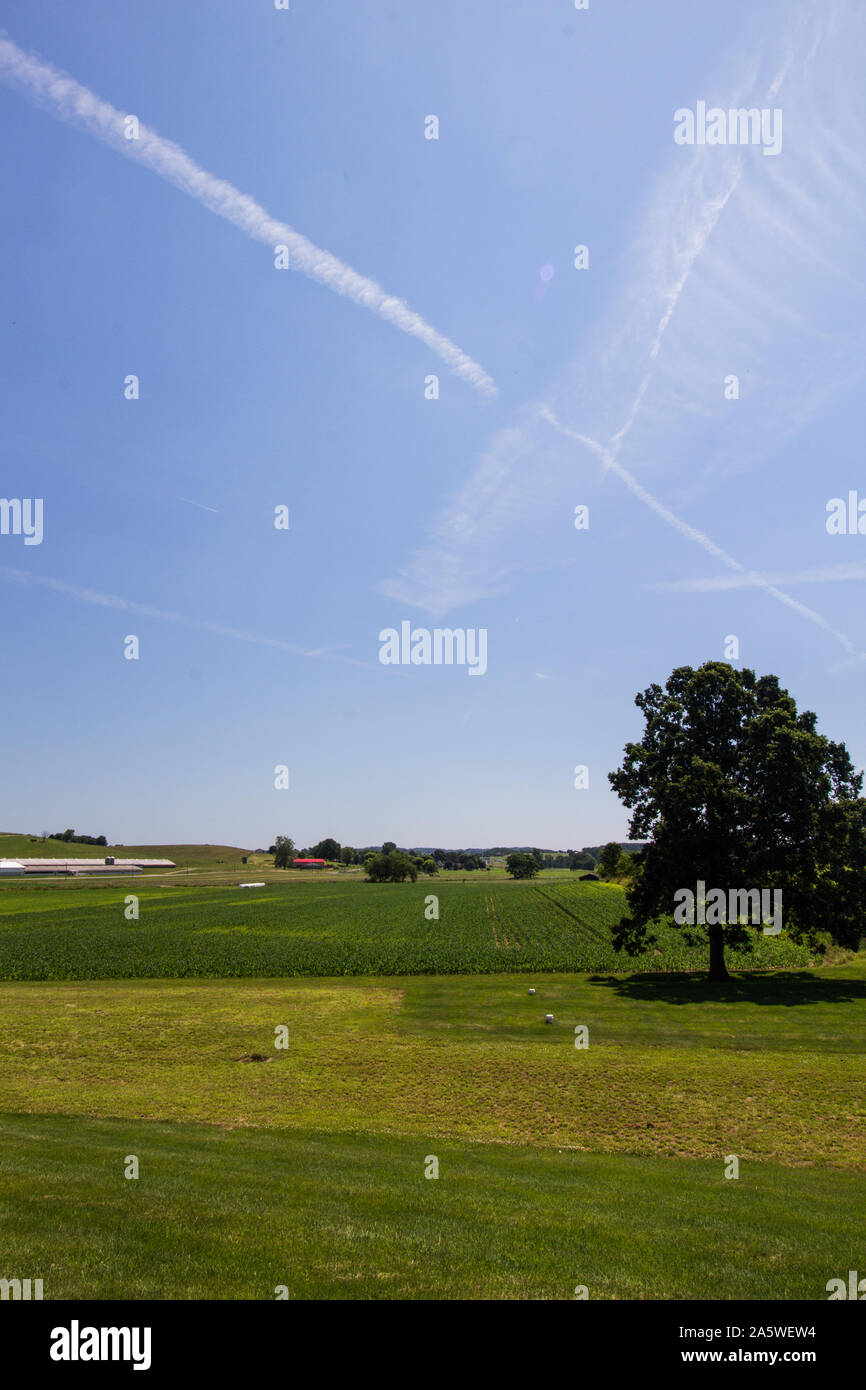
(109, 865)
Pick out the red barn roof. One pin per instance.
(309, 861)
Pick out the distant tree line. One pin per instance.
(384, 864)
(629, 846)
(430, 861)
(69, 837)
(458, 859)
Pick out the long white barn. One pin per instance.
(109, 865)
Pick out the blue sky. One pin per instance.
(262, 387)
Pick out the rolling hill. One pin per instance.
(206, 856)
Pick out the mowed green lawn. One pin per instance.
(334, 927)
(558, 1166)
(774, 1072)
(237, 1214)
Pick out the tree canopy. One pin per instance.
(521, 865)
(326, 849)
(608, 860)
(735, 789)
(283, 852)
(391, 867)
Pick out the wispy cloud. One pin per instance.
(145, 610)
(69, 101)
(740, 266)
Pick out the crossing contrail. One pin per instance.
(699, 537)
(67, 100)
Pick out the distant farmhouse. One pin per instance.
(309, 863)
(18, 868)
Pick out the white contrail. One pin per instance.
(69, 101)
(693, 534)
(144, 610)
(202, 505)
(751, 579)
(710, 213)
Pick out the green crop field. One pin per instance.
(332, 927)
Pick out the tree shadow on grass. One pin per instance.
(788, 989)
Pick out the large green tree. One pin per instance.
(284, 852)
(608, 860)
(734, 788)
(326, 849)
(521, 865)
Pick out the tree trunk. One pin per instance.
(718, 969)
